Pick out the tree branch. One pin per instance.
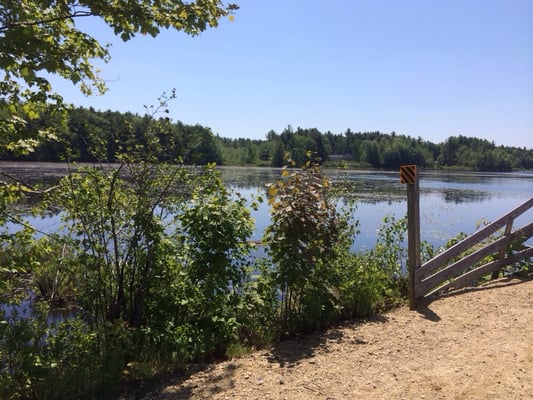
(28, 188)
(75, 14)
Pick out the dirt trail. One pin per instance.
(472, 344)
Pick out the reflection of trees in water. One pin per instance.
(366, 189)
(459, 177)
(371, 189)
(248, 178)
(465, 196)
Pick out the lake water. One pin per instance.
(450, 202)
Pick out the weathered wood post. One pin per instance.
(409, 176)
(501, 254)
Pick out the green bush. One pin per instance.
(302, 242)
(259, 307)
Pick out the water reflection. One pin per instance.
(248, 177)
(457, 196)
(450, 202)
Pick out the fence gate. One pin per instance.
(459, 266)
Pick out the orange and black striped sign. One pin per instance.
(408, 174)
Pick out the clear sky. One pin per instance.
(423, 68)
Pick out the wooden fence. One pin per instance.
(446, 270)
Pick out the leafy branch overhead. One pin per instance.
(40, 37)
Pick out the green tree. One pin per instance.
(372, 153)
(40, 37)
(202, 147)
(278, 156)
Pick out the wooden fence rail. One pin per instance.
(436, 275)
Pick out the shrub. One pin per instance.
(302, 242)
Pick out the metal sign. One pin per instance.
(408, 174)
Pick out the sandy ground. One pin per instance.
(476, 343)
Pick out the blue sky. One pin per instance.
(421, 68)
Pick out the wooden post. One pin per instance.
(501, 255)
(409, 176)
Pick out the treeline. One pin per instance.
(90, 135)
(379, 150)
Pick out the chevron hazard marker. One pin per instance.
(408, 174)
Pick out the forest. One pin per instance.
(89, 135)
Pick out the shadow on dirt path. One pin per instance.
(292, 351)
